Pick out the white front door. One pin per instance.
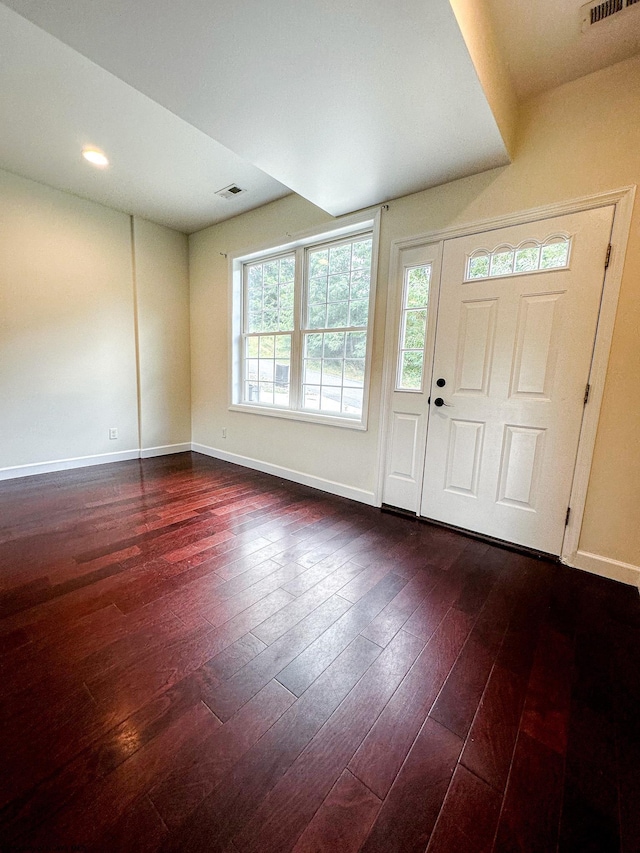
(517, 317)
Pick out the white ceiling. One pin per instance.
(544, 46)
(53, 101)
(347, 102)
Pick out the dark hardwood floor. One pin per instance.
(198, 657)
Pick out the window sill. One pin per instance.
(306, 417)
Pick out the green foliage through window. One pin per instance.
(413, 327)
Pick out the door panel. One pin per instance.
(515, 334)
(475, 346)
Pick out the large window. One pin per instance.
(302, 332)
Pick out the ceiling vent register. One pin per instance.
(230, 192)
(595, 13)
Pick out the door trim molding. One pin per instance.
(622, 199)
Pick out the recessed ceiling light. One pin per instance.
(95, 157)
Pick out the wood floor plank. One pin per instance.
(221, 815)
(383, 751)
(97, 806)
(139, 828)
(489, 747)
(343, 820)
(468, 818)
(273, 628)
(228, 697)
(419, 789)
(311, 662)
(186, 787)
(531, 810)
(459, 698)
(280, 819)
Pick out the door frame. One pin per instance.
(622, 199)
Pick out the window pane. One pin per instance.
(361, 254)
(318, 262)
(334, 383)
(283, 346)
(252, 347)
(269, 295)
(313, 345)
(554, 254)
(352, 402)
(334, 345)
(502, 262)
(267, 347)
(330, 399)
(414, 329)
(354, 372)
(337, 315)
(317, 290)
(267, 369)
(332, 371)
(356, 344)
(479, 266)
(340, 258)
(312, 371)
(338, 288)
(358, 313)
(266, 393)
(418, 287)
(345, 289)
(252, 368)
(527, 258)
(287, 269)
(360, 282)
(411, 371)
(317, 316)
(312, 397)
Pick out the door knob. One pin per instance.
(441, 383)
(438, 402)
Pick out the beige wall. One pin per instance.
(577, 140)
(67, 328)
(162, 289)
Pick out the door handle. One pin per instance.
(440, 402)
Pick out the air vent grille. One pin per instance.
(594, 13)
(603, 10)
(231, 191)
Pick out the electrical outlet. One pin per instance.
(224, 432)
(113, 432)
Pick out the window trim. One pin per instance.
(347, 227)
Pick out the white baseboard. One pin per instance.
(65, 464)
(16, 471)
(606, 567)
(165, 450)
(320, 483)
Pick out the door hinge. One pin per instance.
(586, 394)
(566, 519)
(608, 257)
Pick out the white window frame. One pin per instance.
(344, 229)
